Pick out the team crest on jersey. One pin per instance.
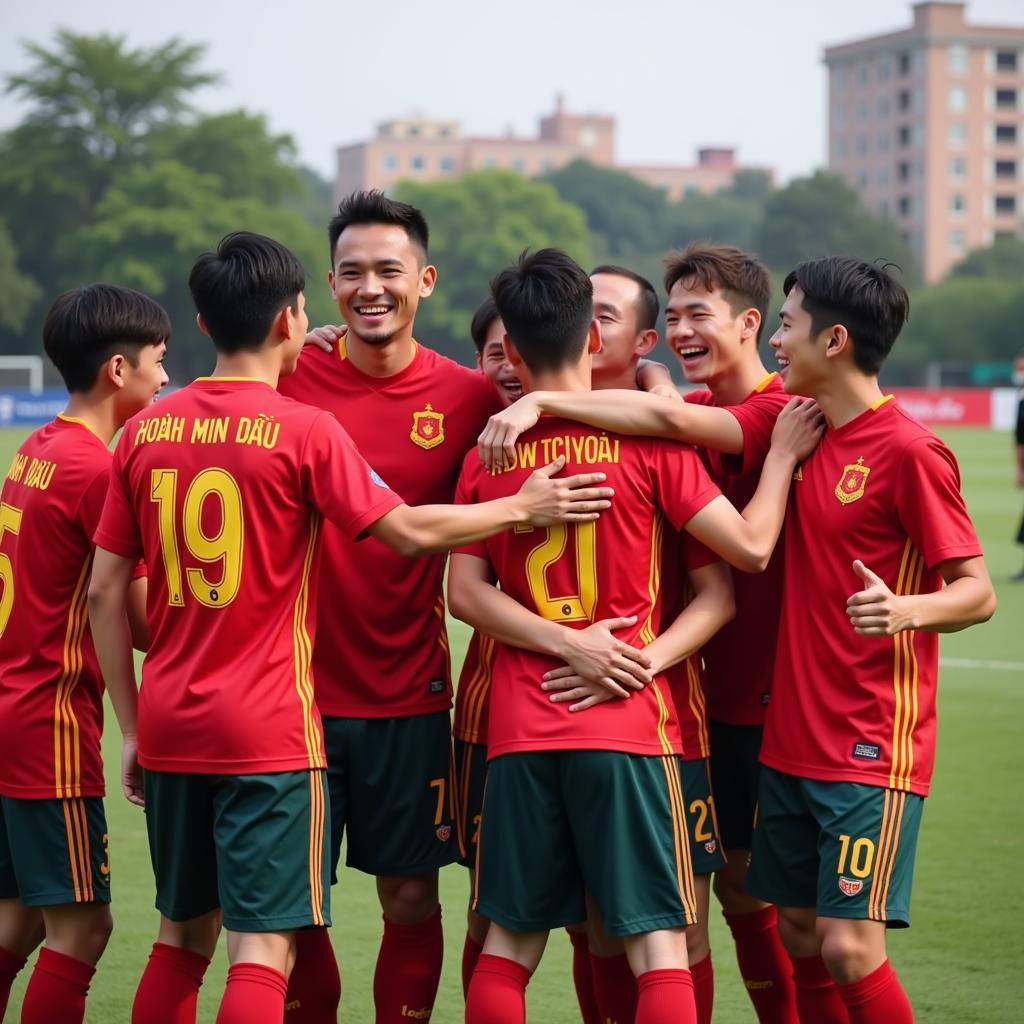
(443, 832)
(711, 845)
(427, 428)
(850, 886)
(853, 481)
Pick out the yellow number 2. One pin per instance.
(564, 607)
(10, 519)
(225, 546)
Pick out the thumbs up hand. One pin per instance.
(875, 610)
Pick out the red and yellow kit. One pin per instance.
(51, 691)
(580, 573)
(738, 659)
(382, 650)
(472, 696)
(848, 708)
(221, 487)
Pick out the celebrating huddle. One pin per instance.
(636, 723)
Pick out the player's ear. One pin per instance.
(751, 324)
(330, 280)
(512, 355)
(648, 339)
(201, 324)
(113, 370)
(428, 278)
(593, 337)
(838, 341)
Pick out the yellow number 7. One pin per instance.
(566, 607)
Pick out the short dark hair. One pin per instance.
(240, 288)
(647, 305)
(546, 302)
(864, 297)
(371, 206)
(85, 326)
(483, 319)
(741, 277)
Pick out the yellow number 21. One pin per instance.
(564, 607)
(225, 546)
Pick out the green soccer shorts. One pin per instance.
(253, 845)
(735, 775)
(844, 848)
(470, 776)
(558, 823)
(391, 785)
(706, 852)
(54, 852)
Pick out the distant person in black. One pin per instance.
(1018, 379)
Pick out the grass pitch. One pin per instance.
(960, 961)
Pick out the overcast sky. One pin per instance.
(675, 74)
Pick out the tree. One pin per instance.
(478, 225)
(1003, 260)
(18, 292)
(821, 216)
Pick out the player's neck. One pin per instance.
(567, 378)
(264, 365)
(733, 387)
(846, 395)
(625, 379)
(381, 360)
(98, 414)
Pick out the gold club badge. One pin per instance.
(853, 481)
(427, 428)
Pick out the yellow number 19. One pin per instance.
(225, 546)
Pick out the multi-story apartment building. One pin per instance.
(927, 124)
(420, 149)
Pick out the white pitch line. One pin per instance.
(995, 666)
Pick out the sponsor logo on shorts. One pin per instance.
(436, 686)
(867, 751)
(443, 832)
(850, 886)
(711, 845)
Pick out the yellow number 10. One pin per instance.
(225, 546)
(566, 607)
(10, 519)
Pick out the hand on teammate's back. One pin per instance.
(547, 499)
(326, 337)
(571, 687)
(497, 443)
(798, 429)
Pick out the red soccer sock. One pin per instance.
(665, 997)
(254, 995)
(10, 965)
(878, 998)
(57, 989)
(169, 988)
(314, 986)
(703, 974)
(408, 970)
(817, 995)
(497, 993)
(765, 966)
(615, 988)
(583, 978)
(471, 950)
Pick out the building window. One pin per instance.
(862, 144)
(958, 60)
(839, 116)
(884, 69)
(903, 205)
(390, 161)
(958, 134)
(883, 142)
(490, 162)
(956, 242)
(447, 165)
(903, 135)
(1006, 99)
(1004, 236)
(903, 99)
(519, 165)
(884, 106)
(903, 63)
(1006, 60)
(958, 167)
(840, 147)
(957, 99)
(1006, 204)
(957, 203)
(862, 109)
(883, 208)
(839, 79)
(903, 170)
(862, 74)
(882, 175)
(1006, 169)
(416, 163)
(546, 165)
(444, 131)
(862, 179)
(1006, 133)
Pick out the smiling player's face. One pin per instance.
(379, 277)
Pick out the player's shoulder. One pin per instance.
(443, 368)
(911, 439)
(313, 363)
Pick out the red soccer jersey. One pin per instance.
(382, 648)
(51, 691)
(738, 659)
(884, 489)
(472, 698)
(581, 573)
(221, 486)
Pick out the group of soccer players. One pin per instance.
(635, 724)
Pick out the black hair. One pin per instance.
(483, 319)
(373, 207)
(85, 326)
(647, 305)
(546, 302)
(239, 289)
(864, 297)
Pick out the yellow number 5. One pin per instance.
(564, 607)
(10, 519)
(225, 546)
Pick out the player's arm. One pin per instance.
(967, 598)
(135, 604)
(543, 500)
(625, 412)
(746, 540)
(593, 653)
(112, 637)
